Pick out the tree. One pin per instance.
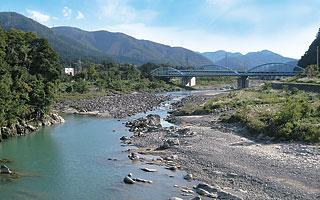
(29, 69)
(310, 56)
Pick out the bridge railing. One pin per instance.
(268, 69)
(275, 68)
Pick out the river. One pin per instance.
(70, 161)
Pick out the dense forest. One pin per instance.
(29, 70)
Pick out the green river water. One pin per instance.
(70, 161)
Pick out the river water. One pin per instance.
(70, 161)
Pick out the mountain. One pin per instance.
(218, 55)
(73, 43)
(67, 48)
(129, 48)
(251, 59)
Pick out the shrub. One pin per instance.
(81, 86)
(295, 91)
(224, 117)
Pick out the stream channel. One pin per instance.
(70, 161)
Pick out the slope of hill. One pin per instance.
(129, 48)
(251, 59)
(67, 48)
(218, 55)
(73, 43)
(310, 56)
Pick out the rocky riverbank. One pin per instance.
(25, 127)
(115, 106)
(230, 163)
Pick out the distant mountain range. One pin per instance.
(73, 43)
(240, 61)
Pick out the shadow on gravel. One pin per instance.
(244, 144)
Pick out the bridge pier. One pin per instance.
(243, 82)
(188, 81)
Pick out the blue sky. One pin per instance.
(286, 27)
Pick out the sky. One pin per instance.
(286, 27)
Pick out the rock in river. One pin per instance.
(128, 180)
(133, 156)
(5, 170)
(175, 198)
(148, 170)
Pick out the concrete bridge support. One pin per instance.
(188, 81)
(243, 82)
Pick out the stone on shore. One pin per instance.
(202, 192)
(128, 180)
(208, 188)
(170, 143)
(188, 177)
(226, 195)
(123, 138)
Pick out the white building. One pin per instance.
(69, 71)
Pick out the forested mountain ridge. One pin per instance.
(67, 48)
(127, 47)
(310, 56)
(72, 43)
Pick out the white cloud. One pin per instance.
(67, 12)
(38, 16)
(121, 12)
(80, 15)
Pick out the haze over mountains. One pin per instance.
(73, 43)
(251, 59)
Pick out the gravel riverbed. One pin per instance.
(113, 106)
(225, 155)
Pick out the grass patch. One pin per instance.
(290, 115)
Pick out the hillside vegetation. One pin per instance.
(310, 56)
(29, 70)
(280, 114)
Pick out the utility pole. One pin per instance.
(317, 57)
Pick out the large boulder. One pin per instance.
(208, 188)
(154, 120)
(170, 143)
